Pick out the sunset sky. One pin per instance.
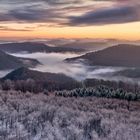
(118, 19)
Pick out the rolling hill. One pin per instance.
(11, 62)
(24, 73)
(32, 47)
(42, 80)
(123, 55)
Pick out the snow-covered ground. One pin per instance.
(26, 116)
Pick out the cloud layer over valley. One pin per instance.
(54, 63)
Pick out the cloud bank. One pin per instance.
(107, 16)
(70, 12)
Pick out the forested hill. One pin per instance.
(26, 79)
(121, 55)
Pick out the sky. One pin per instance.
(117, 19)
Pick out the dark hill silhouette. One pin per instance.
(45, 80)
(121, 55)
(11, 62)
(31, 47)
(24, 73)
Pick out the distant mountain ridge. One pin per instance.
(11, 62)
(123, 55)
(88, 46)
(32, 47)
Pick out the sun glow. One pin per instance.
(129, 31)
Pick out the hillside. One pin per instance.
(11, 62)
(25, 73)
(123, 55)
(45, 80)
(130, 73)
(31, 47)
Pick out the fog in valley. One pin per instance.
(4, 72)
(54, 63)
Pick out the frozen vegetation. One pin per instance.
(100, 91)
(28, 116)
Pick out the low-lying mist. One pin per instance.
(54, 63)
(4, 72)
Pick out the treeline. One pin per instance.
(37, 86)
(100, 91)
(129, 87)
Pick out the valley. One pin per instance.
(69, 94)
(69, 70)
